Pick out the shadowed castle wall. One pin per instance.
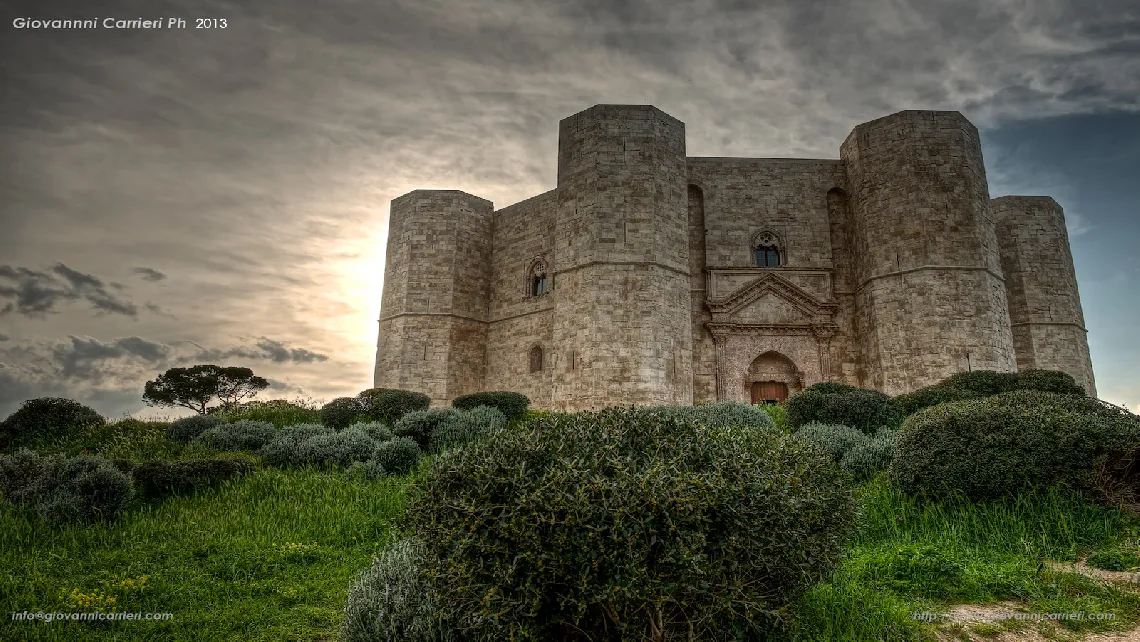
(1041, 286)
(930, 297)
(433, 315)
(622, 323)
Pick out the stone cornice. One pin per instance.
(775, 284)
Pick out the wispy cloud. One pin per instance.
(36, 293)
(149, 274)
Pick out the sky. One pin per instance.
(179, 196)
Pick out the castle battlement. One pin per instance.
(647, 276)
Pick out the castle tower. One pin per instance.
(930, 298)
(1041, 285)
(433, 314)
(622, 319)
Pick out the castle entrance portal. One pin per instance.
(769, 391)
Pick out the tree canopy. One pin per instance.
(195, 387)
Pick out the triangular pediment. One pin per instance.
(770, 299)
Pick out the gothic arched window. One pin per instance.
(536, 359)
(767, 250)
(537, 280)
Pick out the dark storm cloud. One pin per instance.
(264, 348)
(36, 293)
(85, 356)
(149, 274)
(4, 337)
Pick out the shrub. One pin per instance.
(376, 430)
(75, 489)
(240, 435)
(46, 418)
(421, 424)
(391, 600)
(982, 382)
(1001, 445)
(586, 523)
(777, 413)
(865, 410)
(161, 478)
(20, 470)
(911, 402)
(834, 439)
(1049, 381)
(462, 427)
(369, 470)
(512, 404)
(388, 405)
(285, 448)
(186, 429)
(399, 456)
(831, 388)
(337, 448)
(722, 414)
(341, 412)
(865, 459)
(278, 412)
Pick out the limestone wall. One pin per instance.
(432, 331)
(930, 298)
(622, 322)
(1041, 286)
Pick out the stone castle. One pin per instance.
(651, 277)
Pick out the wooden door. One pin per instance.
(769, 391)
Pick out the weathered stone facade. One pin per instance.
(648, 276)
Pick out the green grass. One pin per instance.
(909, 556)
(267, 557)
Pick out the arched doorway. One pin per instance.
(771, 378)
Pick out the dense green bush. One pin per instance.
(341, 412)
(387, 405)
(337, 449)
(722, 414)
(1000, 445)
(391, 601)
(399, 456)
(161, 478)
(369, 470)
(834, 439)
(374, 429)
(831, 388)
(865, 410)
(512, 404)
(604, 524)
(186, 429)
(420, 425)
(240, 435)
(46, 418)
(1049, 381)
(278, 412)
(865, 459)
(982, 382)
(911, 402)
(777, 413)
(284, 450)
(73, 489)
(462, 427)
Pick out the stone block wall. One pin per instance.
(1041, 287)
(930, 298)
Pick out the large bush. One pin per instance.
(982, 382)
(284, 449)
(391, 601)
(161, 478)
(398, 456)
(463, 427)
(512, 404)
(609, 524)
(420, 425)
(911, 402)
(1049, 381)
(341, 412)
(278, 412)
(387, 405)
(858, 453)
(74, 489)
(865, 410)
(833, 439)
(186, 429)
(374, 429)
(337, 449)
(722, 414)
(44, 419)
(1001, 445)
(240, 435)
